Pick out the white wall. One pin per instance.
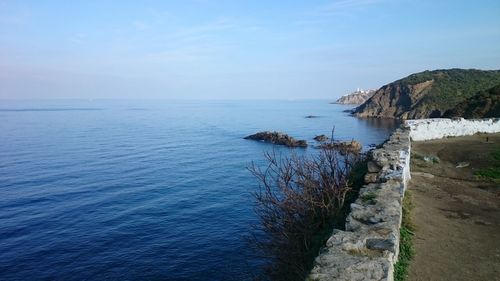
(429, 129)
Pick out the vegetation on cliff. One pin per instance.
(484, 104)
(427, 94)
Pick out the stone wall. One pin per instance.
(429, 129)
(369, 247)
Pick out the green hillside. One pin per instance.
(453, 85)
(484, 104)
(427, 94)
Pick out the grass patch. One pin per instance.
(493, 172)
(418, 156)
(406, 251)
(496, 155)
(369, 198)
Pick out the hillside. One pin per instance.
(484, 104)
(357, 97)
(427, 94)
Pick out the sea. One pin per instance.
(144, 189)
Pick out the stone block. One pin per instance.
(373, 167)
(371, 178)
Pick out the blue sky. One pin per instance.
(229, 49)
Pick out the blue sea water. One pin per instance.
(142, 190)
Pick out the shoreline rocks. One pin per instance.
(346, 146)
(277, 138)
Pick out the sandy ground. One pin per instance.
(456, 215)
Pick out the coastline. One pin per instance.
(369, 248)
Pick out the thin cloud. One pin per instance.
(343, 6)
(140, 25)
(17, 18)
(78, 38)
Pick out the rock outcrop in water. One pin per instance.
(321, 138)
(277, 138)
(427, 94)
(343, 146)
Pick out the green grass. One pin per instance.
(406, 251)
(369, 198)
(418, 156)
(493, 172)
(496, 155)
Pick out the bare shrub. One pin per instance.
(299, 201)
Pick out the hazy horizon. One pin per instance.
(231, 50)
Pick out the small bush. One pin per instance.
(299, 202)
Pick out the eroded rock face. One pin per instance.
(277, 138)
(398, 101)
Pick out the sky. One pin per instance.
(230, 49)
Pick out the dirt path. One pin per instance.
(457, 216)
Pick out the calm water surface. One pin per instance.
(128, 190)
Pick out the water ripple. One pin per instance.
(147, 191)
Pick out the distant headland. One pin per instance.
(357, 97)
(440, 93)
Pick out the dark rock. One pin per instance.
(373, 167)
(321, 138)
(381, 244)
(344, 146)
(277, 138)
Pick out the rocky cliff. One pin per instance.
(357, 97)
(427, 94)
